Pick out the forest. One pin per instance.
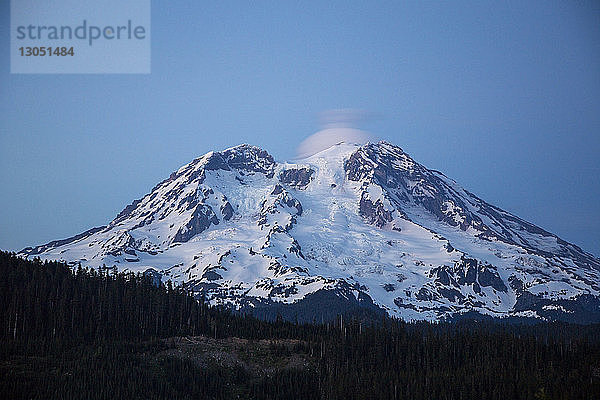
(75, 333)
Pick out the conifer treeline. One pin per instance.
(50, 300)
(88, 334)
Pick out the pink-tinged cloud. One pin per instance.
(338, 126)
(326, 138)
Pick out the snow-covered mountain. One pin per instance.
(363, 228)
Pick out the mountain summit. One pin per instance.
(351, 228)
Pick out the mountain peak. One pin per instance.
(363, 225)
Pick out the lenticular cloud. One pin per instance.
(326, 138)
(338, 127)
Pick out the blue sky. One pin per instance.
(504, 97)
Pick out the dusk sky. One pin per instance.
(502, 97)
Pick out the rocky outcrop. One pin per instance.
(202, 217)
(469, 272)
(227, 211)
(296, 177)
(374, 213)
(250, 159)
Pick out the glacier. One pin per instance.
(352, 227)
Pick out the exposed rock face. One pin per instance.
(411, 185)
(388, 166)
(251, 159)
(469, 272)
(126, 213)
(227, 211)
(202, 217)
(374, 213)
(361, 228)
(296, 177)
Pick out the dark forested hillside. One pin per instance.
(98, 335)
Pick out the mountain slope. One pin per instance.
(352, 227)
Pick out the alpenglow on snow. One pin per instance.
(352, 228)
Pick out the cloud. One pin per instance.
(338, 126)
(326, 138)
